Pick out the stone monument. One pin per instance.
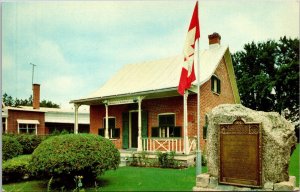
(247, 150)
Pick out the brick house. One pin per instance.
(40, 120)
(142, 109)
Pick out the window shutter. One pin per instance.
(101, 132)
(155, 132)
(218, 86)
(177, 131)
(125, 130)
(212, 83)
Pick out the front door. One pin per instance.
(134, 129)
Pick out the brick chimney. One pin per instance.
(36, 96)
(214, 38)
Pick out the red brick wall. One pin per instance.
(97, 114)
(154, 107)
(13, 115)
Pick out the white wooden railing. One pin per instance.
(168, 144)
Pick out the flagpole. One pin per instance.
(198, 152)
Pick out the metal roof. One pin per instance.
(66, 117)
(157, 75)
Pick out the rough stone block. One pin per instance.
(278, 138)
(225, 188)
(284, 186)
(213, 182)
(292, 180)
(269, 186)
(202, 180)
(242, 189)
(203, 189)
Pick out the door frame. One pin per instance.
(130, 127)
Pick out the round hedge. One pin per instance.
(16, 169)
(67, 156)
(10, 147)
(29, 142)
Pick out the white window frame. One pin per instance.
(28, 122)
(161, 131)
(215, 84)
(104, 124)
(27, 127)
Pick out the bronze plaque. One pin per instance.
(240, 154)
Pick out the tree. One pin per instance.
(268, 76)
(9, 101)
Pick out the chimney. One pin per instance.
(36, 96)
(214, 38)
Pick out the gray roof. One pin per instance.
(157, 75)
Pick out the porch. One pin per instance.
(152, 145)
(165, 145)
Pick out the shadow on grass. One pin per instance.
(103, 182)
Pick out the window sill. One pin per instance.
(218, 94)
(114, 139)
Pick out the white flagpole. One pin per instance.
(198, 162)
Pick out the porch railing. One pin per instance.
(169, 144)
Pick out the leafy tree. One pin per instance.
(9, 101)
(268, 76)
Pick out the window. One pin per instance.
(112, 131)
(166, 127)
(215, 84)
(27, 128)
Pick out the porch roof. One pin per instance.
(155, 77)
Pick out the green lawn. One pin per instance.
(130, 179)
(294, 164)
(149, 179)
(144, 179)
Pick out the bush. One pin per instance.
(10, 147)
(67, 156)
(29, 142)
(166, 160)
(16, 169)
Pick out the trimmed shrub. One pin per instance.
(70, 155)
(16, 169)
(10, 147)
(166, 160)
(29, 142)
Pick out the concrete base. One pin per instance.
(204, 182)
(126, 157)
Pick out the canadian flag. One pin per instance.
(188, 73)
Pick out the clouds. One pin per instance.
(78, 45)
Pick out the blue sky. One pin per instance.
(78, 45)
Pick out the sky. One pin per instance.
(77, 46)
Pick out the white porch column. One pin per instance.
(185, 124)
(76, 106)
(6, 124)
(140, 142)
(106, 134)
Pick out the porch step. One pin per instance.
(126, 157)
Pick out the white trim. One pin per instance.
(6, 128)
(215, 84)
(104, 124)
(109, 117)
(168, 113)
(168, 129)
(25, 121)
